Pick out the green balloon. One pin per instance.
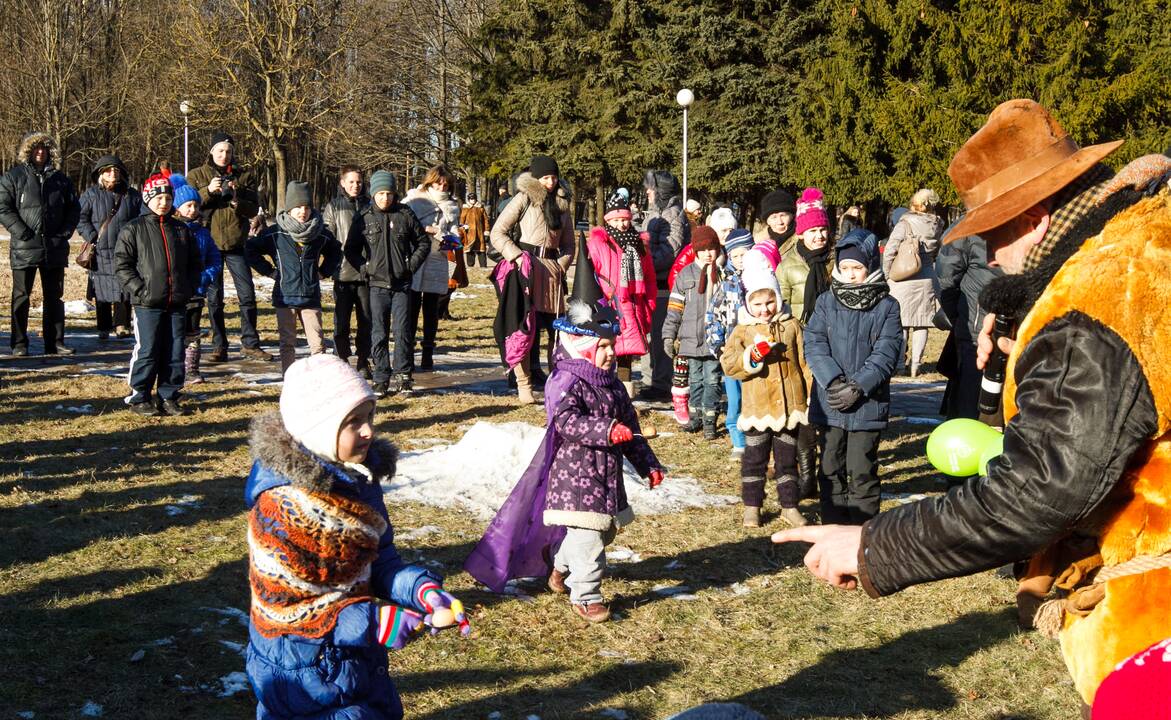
(957, 447)
(993, 450)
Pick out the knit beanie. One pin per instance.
(542, 165)
(380, 181)
(777, 201)
(220, 137)
(852, 252)
(811, 210)
(738, 238)
(618, 206)
(759, 274)
(184, 193)
(156, 185)
(722, 219)
(770, 251)
(693, 206)
(319, 392)
(704, 238)
(297, 194)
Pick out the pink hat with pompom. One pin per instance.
(811, 210)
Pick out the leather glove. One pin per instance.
(655, 478)
(397, 626)
(669, 347)
(619, 434)
(432, 597)
(844, 395)
(759, 350)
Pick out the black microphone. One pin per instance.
(992, 384)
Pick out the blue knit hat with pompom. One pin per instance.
(184, 193)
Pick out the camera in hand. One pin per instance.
(226, 191)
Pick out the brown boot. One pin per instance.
(751, 516)
(592, 612)
(557, 582)
(794, 517)
(524, 386)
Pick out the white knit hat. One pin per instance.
(722, 219)
(319, 392)
(758, 274)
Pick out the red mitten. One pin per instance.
(759, 350)
(656, 478)
(620, 434)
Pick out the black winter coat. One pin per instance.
(387, 247)
(962, 268)
(339, 215)
(158, 262)
(297, 268)
(40, 209)
(96, 205)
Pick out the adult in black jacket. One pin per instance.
(39, 207)
(351, 293)
(387, 245)
(158, 262)
(106, 206)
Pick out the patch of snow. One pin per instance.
(26, 714)
(235, 647)
(459, 295)
(161, 642)
(419, 532)
(78, 307)
(674, 565)
(904, 498)
(675, 592)
(913, 420)
(138, 655)
(500, 453)
(92, 709)
(270, 378)
(614, 713)
(622, 554)
(234, 682)
(231, 612)
(740, 589)
(495, 715)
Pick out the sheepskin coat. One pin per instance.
(526, 211)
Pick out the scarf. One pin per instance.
(309, 557)
(817, 281)
(630, 244)
(301, 232)
(860, 296)
(708, 279)
(780, 240)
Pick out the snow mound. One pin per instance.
(478, 472)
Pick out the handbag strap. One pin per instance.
(110, 216)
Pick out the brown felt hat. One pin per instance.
(1021, 156)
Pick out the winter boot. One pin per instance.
(695, 424)
(807, 471)
(404, 383)
(594, 612)
(709, 426)
(191, 372)
(629, 385)
(557, 582)
(751, 516)
(794, 517)
(428, 361)
(524, 386)
(679, 403)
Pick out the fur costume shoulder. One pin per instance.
(272, 446)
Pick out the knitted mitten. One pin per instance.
(397, 626)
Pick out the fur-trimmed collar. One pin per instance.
(25, 149)
(531, 186)
(272, 445)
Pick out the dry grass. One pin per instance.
(94, 570)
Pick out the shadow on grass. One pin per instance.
(897, 677)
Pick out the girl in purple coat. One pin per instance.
(570, 503)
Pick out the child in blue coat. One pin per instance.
(330, 592)
(853, 342)
(187, 210)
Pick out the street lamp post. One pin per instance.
(184, 107)
(685, 97)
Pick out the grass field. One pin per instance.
(123, 580)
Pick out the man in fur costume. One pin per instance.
(1084, 484)
(572, 499)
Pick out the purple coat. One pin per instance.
(517, 542)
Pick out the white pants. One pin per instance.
(582, 556)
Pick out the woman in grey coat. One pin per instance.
(918, 231)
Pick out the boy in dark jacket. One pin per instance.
(187, 209)
(303, 253)
(158, 263)
(387, 245)
(853, 342)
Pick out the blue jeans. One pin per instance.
(732, 390)
(391, 308)
(245, 293)
(704, 375)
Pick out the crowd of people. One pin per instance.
(794, 333)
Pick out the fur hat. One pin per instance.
(382, 180)
(722, 219)
(738, 238)
(1021, 156)
(811, 210)
(542, 165)
(618, 206)
(777, 201)
(319, 392)
(156, 185)
(704, 238)
(759, 274)
(184, 193)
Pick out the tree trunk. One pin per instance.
(278, 157)
(599, 204)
